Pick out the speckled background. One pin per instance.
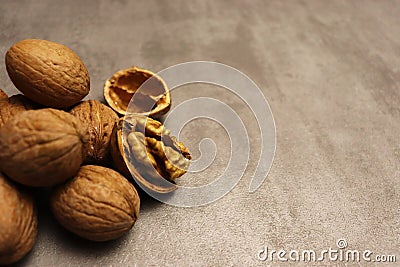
(331, 73)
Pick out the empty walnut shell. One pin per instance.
(3, 95)
(13, 106)
(18, 222)
(42, 147)
(49, 73)
(142, 147)
(153, 99)
(100, 120)
(98, 204)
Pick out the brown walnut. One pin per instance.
(153, 99)
(48, 73)
(3, 95)
(42, 147)
(98, 204)
(143, 146)
(100, 120)
(18, 222)
(13, 106)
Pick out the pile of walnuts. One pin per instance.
(82, 150)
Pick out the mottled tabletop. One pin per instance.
(330, 71)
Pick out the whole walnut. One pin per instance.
(13, 106)
(49, 73)
(18, 222)
(98, 204)
(42, 147)
(100, 120)
(3, 95)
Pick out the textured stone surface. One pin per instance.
(331, 73)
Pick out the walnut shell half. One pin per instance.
(18, 222)
(98, 204)
(100, 120)
(42, 147)
(153, 99)
(49, 73)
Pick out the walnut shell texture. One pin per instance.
(3, 95)
(18, 222)
(48, 73)
(42, 147)
(153, 98)
(98, 204)
(100, 120)
(13, 106)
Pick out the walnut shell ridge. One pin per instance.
(18, 222)
(48, 73)
(98, 204)
(100, 120)
(42, 147)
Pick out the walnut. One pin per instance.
(42, 147)
(153, 99)
(48, 73)
(13, 106)
(18, 222)
(144, 147)
(3, 95)
(98, 204)
(100, 120)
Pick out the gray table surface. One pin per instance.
(331, 73)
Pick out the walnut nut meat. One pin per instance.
(100, 120)
(42, 147)
(153, 99)
(48, 73)
(98, 204)
(143, 146)
(169, 157)
(18, 222)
